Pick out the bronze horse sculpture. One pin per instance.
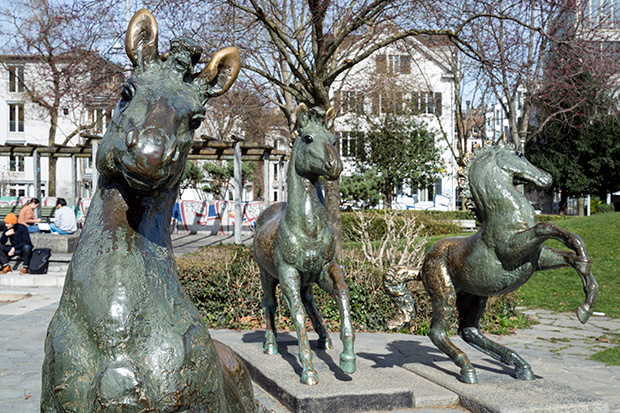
(294, 244)
(499, 258)
(125, 336)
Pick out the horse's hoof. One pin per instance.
(270, 348)
(309, 377)
(584, 311)
(347, 363)
(325, 344)
(524, 372)
(468, 375)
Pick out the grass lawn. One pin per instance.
(561, 289)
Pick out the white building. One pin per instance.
(409, 70)
(24, 123)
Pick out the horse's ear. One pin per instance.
(328, 120)
(141, 38)
(221, 72)
(303, 116)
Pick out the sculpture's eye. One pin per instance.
(196, 122)
(308, 138)
(127, 91)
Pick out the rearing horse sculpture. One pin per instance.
(125, 336)
(294, 244)
(499, 258)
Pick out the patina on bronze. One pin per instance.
(125, 336)
(294, 244)
(499, 258)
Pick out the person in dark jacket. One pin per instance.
(20, 242)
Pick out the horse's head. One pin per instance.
(162, 103)
(494, 167)
(315, 146)
(514, 165)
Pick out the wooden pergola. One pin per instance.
(237, 151)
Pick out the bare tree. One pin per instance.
(59, 38)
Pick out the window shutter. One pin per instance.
(438, 104)
(405, 64)
(381, 64)
(415, 103)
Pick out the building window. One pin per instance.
(387, 103)
(16, 78)
(497, 116)
(16, 117)
(427, 103)
(353, 102)
(17, 190)
(351, 144)
(393, 64)
(16, 163)
(96, 118)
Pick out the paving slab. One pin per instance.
(497, 390)
(373, 387)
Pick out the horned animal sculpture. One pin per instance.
(125, 336)
(294, 244)
(499, 258)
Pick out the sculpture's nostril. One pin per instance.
(130, 139)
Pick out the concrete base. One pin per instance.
(371, 387)
(60, 244)
(397, 371)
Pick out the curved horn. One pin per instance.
(141, 38)
(328, 120)
(221, 72)
(303, 114)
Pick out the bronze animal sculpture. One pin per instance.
(125, 336)
(294, 244)
(499, 258)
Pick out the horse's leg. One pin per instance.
(332, 282)
(551, 258)
(290, 283)
(307, 297)
(439, 286)
(270, 304)
(533, 237)
(471, 308)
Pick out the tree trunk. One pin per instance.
(51, 182)
(387, 197)
(580, 206)
(563, 203)
(51, 179)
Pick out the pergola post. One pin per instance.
(281, 179)
(238, 191)
(74, 187)
(266, 179)
(95, 173)
(36, 163)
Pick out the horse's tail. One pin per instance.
(395, 285)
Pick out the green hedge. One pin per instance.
(434, 222)
(224, 283)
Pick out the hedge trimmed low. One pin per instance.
(224, 283)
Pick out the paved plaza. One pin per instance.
(558, 348)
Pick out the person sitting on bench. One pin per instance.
(64, 219)
(19, 237)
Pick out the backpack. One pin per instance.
(40, 260)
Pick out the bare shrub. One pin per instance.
(401, 244)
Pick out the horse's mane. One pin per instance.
(477, 153)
